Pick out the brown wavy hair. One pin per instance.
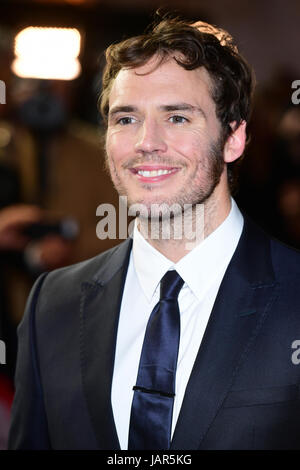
(196, 45)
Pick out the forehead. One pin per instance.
(167, 81)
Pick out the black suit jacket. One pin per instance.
(244, 389)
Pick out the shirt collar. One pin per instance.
(199, 267)
(150, 265)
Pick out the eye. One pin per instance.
(178, 119)
(125, 120)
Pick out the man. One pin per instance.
(106, 361)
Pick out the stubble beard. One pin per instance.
(196, 192)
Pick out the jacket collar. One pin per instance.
(99, 310)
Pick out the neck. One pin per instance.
(175, 237)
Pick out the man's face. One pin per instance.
(163, 138)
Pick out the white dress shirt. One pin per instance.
(202, 270)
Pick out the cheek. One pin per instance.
(189, 145)
(118, 146)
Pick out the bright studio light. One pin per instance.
(49, 53)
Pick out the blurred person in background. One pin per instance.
(49, 253)
(22, 258)
(268, 187)
(286, 175)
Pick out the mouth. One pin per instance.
(153, 174)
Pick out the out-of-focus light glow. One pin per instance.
(49, 53)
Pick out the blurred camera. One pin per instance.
(67, 228)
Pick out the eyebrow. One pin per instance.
(122, 109)
(166, 107)
(183, 107)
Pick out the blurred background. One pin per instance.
(52, 175)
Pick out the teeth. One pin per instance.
(148, 174)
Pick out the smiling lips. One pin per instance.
(152, 174)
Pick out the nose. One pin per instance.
(150, 138)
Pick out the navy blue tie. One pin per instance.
(152, 405)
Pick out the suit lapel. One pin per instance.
(100, 306)
(243, 301)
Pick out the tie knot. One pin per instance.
(170, 285)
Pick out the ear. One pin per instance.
(235, 144)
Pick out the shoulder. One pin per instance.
(57, 296)
(286, 260)
(68, 280)
(262, 248)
